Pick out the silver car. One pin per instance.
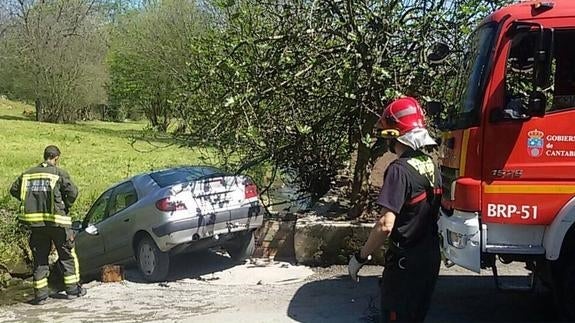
(152, 216)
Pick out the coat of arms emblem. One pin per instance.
(535, 142)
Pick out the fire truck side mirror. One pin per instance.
(438, 53)
(433, 108)
(519, 28)
(537, 104)
(543, 60)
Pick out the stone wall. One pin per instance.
(312, 241)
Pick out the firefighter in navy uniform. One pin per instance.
(46, 193)
(410, 199)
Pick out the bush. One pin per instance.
(30, 114)
(14, 253)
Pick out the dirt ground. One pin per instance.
(376, 176)
(208, 287)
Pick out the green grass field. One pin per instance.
(96, 154)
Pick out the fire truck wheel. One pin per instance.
(564, 277)
(567, 295)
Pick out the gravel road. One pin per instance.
(208, 287)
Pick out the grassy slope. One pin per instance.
(96, 154)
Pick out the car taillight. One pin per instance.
(168, 206)
(250, 190)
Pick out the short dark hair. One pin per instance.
(51, 152)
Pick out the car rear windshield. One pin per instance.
(182, 175)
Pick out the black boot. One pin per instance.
(79, 292)
(39, 300)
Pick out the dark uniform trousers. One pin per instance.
(408, 281)
(41, 239)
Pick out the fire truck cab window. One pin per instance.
(564, 78)
(519, 72)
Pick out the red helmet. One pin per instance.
(401, 116)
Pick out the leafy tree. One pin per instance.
(300, 83)
(149, 50)
(296, 84)
(54, 56)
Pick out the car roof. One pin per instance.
(182, 167)
(146, 176)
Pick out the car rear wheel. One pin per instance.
(242, 246)
(153, 263)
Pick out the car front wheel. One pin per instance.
(153, 263)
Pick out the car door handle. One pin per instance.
(127, 220)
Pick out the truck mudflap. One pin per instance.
(461, 239)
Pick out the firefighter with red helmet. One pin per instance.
(409, 200)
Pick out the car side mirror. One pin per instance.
(91, 230)
(77, 225)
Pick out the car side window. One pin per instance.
(122, 197)
(98, 211)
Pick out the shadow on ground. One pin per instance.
(120, 132)
(336, 300)
(456, 299)
(193, 265)
(476, 299)
(15, 118)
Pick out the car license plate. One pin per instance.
(211, 202)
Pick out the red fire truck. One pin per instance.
(508, 148)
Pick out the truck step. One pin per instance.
(515, 249)
(505, 284)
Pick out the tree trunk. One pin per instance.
(360, 185)
(39, 110)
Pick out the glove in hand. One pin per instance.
(355, 265)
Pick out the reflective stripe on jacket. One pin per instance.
(46, 193)
(416, 221)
